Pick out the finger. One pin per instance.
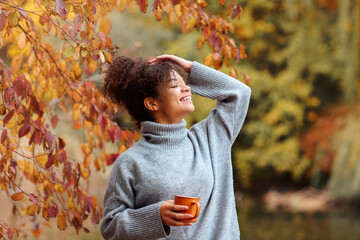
(174, 207)
(173, 222)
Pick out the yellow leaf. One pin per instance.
(178, 10)
(85, 148)
(21, 40)
(92, 65)
(70, 203)
(16, 62)
(31, 209)
(105, 25)
(61, 221)
(201, 41)
(102, 57)
(190, 24)
(108, 56)
(41, 159)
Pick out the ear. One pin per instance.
(151, 104)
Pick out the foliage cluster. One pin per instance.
(40, 80)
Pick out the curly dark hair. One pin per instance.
(128, 82)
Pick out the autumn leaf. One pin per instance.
(2, 20)
(8, 116)
(105, 25)
(16, 62)
(21, 40)
(13, 18)
(246, 79)
(222, 2)
(60, 8)
(61, 221)
(17, 196)
(208, 60)
(52, 211)
(143, 5)
(68, 52)
(25, 129)
(190, 24)
(31, 209)
(33, 198)
(3, 135)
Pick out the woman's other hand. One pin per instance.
(185, 64)
(170, 216)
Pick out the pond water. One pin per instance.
(258, 224)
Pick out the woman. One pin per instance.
(171, 160)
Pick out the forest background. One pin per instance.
(302, 130)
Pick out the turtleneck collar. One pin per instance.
(165, 136)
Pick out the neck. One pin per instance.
(166, 136)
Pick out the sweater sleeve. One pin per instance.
(232, 103)
(121, 218)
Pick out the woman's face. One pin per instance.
(174, 101)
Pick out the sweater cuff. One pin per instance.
(148, 223)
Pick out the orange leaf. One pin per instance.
(105, 25)
(31, 209)
(222, 2)
(17, 196)
(158, 14)
(208, 60)
(246, 79)
(233, 73)
(16, 62)
(61, 221)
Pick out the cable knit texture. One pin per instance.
(172, 160)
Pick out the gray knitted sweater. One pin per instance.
(171, 160)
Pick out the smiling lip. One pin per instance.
(186, 98)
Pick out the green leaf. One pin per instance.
(68, 52)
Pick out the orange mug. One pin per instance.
(192, 203)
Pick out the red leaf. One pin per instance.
(49, 138)
(155, 5)
(52, 211)
(24, 130)
(54, 121)
(2, 20)
(143, 5)
(9, 233)
(8, 116)
(62, 143)
(115, 133)
(237, 10)
(222, 2)
(111, 158)
(3, 135)
(8, 95)
(60, 8)
(50, 162)
(33, 198)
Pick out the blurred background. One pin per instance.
(297, 158)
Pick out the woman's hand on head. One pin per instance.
(185, 64)
(170, 216)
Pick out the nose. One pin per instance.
(185, 88)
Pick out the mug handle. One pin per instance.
(197, 209)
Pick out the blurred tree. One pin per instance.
(299, 60)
